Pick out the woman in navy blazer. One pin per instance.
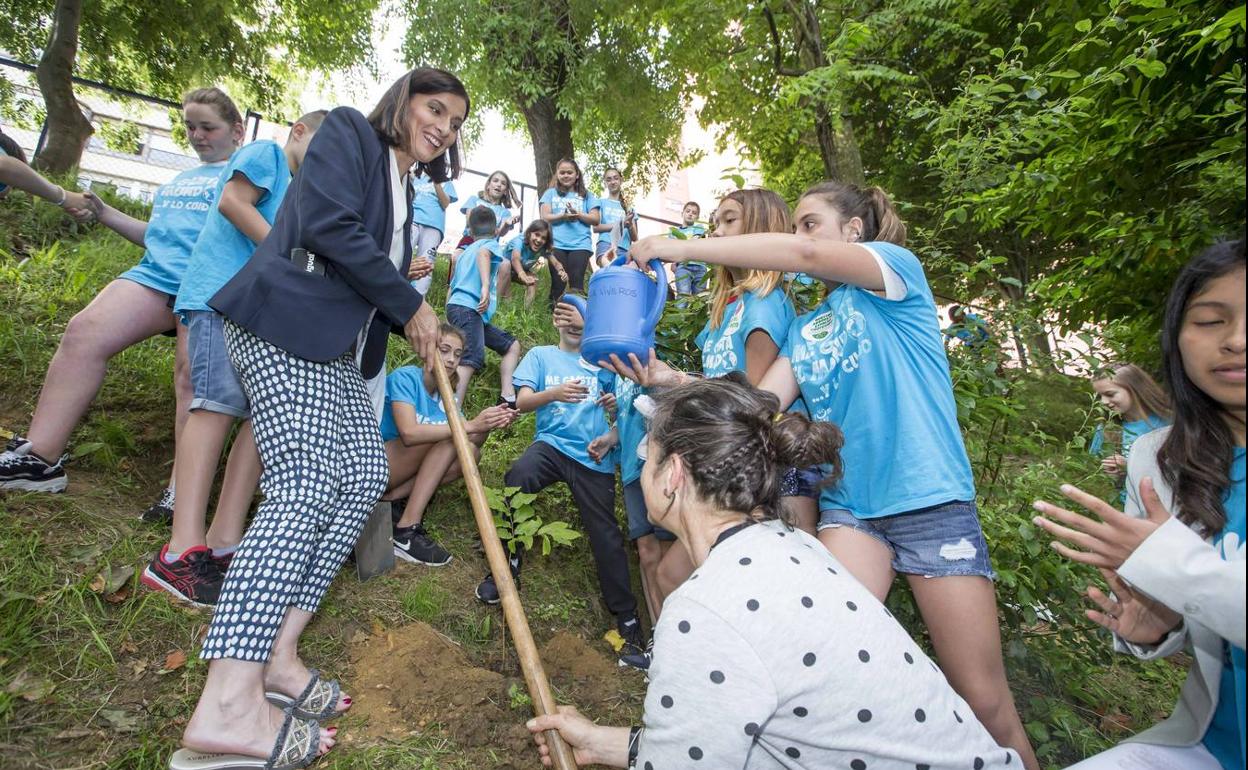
(325, 285)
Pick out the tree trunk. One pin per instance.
(551, 134)
(68, 129)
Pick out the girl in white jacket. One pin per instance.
(1178, 581)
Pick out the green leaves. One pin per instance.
(519, 525)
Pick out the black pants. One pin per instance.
(594, 495)
(575, 263)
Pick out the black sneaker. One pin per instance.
(634, 653)
(487, 590)
(22, 469)
(194, 578)
(161, 511)
(414, 544)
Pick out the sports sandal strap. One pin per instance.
(297, 745)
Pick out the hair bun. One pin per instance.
(800, 443)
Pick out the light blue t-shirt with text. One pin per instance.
(223, 249)
(572, 235)
(406, 385)
(877, 368)
(611, 212)
(568, 428)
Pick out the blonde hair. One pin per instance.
(762, 211)
(1146, 395)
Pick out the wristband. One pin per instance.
(634, 745)
(64, 197)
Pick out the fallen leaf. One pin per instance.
(614, 639)
(174, 661)
(111, 580)
(29, 687)
(127, 647)
(121, 721)
(72, 732)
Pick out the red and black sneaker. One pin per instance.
(195, 578)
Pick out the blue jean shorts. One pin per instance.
(214, 383)
(635, 506)
(939, 541)
(478, 336)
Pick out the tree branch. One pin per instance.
(781, 68)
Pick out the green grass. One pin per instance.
(81, 682)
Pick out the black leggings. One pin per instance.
(576, 263)
(593, 493)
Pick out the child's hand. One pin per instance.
(601, 446)
(76, 206)
(93, 204)
(607, 401)
(528, 280)
(1114, 465)
(567, 315)
(484, 304)
(1135, 617)
(492, 418)
(571, 392)
(656, 247)
(421, 266)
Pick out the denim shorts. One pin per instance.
(801, 482)
(214, 383)
(478, 335)
(635, 507)
(939, 541)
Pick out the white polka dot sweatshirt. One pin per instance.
(772, 656)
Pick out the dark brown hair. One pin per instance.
(880, 221)
(11, 147)
(578, 186)
(1195, 459)
(389, 117)
(736, 443)
(445, 329)
(482, 222)
(218, 100)
(539, 226)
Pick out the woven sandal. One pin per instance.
(297, 744)
(319, 700)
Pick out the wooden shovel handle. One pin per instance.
(513, 611)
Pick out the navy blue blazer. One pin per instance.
(338, 207)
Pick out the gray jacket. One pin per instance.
(1183, 571)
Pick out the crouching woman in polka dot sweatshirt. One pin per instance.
(770, 655)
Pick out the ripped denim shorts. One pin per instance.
(938, 541)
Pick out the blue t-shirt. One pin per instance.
(466, 281)
(573, 235)
(689, 231)
(179, 211)
(426, 210)
(567, 427)
(501, 212)
(631, 427)
(1225, 737)
(497, 256)
(406, 385)
(877, 368)
(723, 348)
(222, 249)
(1131, 430)
(518, 243)
(613, 212)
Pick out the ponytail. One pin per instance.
(880, 220)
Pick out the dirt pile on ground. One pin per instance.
(588, 676)
(412, 680)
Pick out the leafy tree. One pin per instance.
(575, 73)
(1100, 150)
(165, 48)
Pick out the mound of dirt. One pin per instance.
(412, 680)
(576, 668)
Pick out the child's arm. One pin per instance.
(557, 266)
(632, 225)
(571, 392)
(124, 225)
(517, 267)
(444, 200)
(15, 173)
(600, 446)
(412, 432)
(837, 261)
(483, 268)
(548, 214)
(238, 205)
(760, 352)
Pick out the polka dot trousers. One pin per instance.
(324, 470)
